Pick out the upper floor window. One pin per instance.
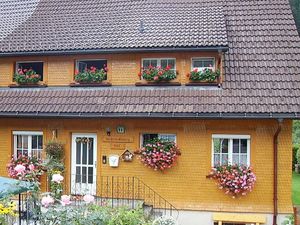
(84, 65)
(37, 67)
(146, 137)
(159, 62)
(203, 63)
(28, 143)
(230, 150)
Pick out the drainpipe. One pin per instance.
(275, 165)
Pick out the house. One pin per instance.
(251, 48)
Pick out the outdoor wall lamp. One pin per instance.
(108, 131)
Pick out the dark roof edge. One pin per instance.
(154, 115)
(114, 50)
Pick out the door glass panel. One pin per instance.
(78, 152)
(90, 175)
(84, 174)
(91, 151)
(84, 153)
(78, 177)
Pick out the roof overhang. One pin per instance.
(113, 50)
(151, 115)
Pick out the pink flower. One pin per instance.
(31, 167)
(155, 78)
(20, 169)
(65, 200)
(57, 178)
(88, 198)
(47, 200)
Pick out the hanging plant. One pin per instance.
(159, 154)
(235, 180)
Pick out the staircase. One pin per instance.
(129, 192)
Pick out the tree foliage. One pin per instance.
(295, 5)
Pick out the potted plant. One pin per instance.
(156, 75)
(204, 76)
(91, 75)
(26, 76)
(159, 154)
(235, 180)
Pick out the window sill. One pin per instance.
(157, 84)
(27, 85)
(211, 84)
(101, 84)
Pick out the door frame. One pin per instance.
(73, 157)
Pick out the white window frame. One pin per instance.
(159, 61)
(199, 58)
(29, 134)
(142, 138)
(77, 61)
(230, 138)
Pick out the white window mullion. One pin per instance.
(15, 146)
(248, 152)
(30, 145)
(230, 150)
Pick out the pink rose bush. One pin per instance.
(57, 178)
(25, 168)
(235, 180)
(88, 198)
(47, 201)
(65, 200)
(159, 154)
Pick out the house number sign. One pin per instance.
(120, 129)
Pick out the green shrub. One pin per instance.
(295, 150)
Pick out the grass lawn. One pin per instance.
(296, 189)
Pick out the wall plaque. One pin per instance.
(118, 139)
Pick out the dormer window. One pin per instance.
(203, 63)
(37, 67)
(84, 65)
(159, 62)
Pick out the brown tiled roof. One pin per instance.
(55, 25)
(262, 76)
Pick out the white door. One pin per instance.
(84, 164)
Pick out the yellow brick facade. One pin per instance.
(185, 185)
(123, 69)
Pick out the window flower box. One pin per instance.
(26, 77)
(159, 154)
(91, 76)
(205, 77)
(157, 76)
(234, 180)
